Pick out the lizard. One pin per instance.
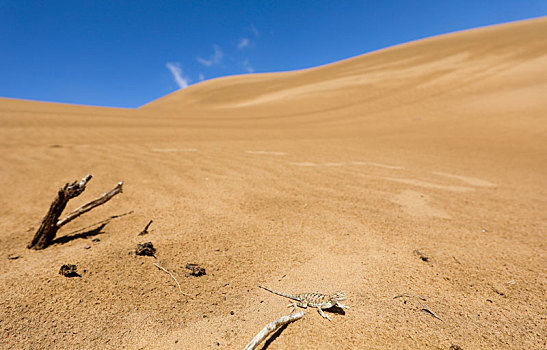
(314, 299)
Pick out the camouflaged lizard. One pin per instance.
(314, 299)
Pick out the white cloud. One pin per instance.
(205, 62)
(181, 80)
(243, 43)
(215, 58)
(201, 76)
(253, 30)
(247, 66)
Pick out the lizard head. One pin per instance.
(339, 296)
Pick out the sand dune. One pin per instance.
(322, 179)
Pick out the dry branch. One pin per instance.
(51, 223)
(105, 197)
(145, 231)
(429, 311)
(170, 274)
(271, 327)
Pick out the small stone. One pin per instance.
(13, 257)
(87, 247)
(231, 312)
(96, 240)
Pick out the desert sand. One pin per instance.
(315, 180)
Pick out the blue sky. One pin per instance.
(127, 53)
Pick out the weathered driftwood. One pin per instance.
(51, 223)
(271, 327)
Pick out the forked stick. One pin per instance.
(271, 327)
(51, 222)
(105, 197)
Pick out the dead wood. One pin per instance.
(173, 277)
(145, 231)
(271, 327)
(51, 223)
(105, 197)
(421, 255)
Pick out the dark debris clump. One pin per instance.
(145, 249)
(421, 255)
(196, 270)
(69, 270)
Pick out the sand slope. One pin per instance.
(323, 179)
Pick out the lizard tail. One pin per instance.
(268, 289)
(279, 293)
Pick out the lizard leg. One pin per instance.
(323, 314)
(294, 306)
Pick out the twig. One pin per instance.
(271, 327)
(170, 274)
(429, 311)
(51, 223)
(424, 306)
(88, 206)
(421, 255)
(409, 295)
(49, 226)
(145, 231)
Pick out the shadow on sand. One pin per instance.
(85, 234)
